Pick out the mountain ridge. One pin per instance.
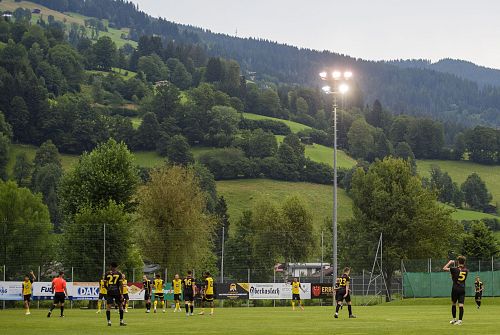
(403, 90)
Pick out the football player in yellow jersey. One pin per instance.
(208, 294)
(296, 287)
(177, 287)
(28, 290)
(125, 293)
(102, 294)
(158, 286)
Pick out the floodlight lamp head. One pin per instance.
(343, 88)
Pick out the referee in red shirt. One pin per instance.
(60, 293)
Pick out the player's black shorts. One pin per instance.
(208, 297)
(177, 296)
(295, 296)
(59, 297)
(159, 296)
(27, 297)
(479, 295)
(188, 296)
(458, 294)
(125, 297)
(112, 298)
(339, 296)
(147, 296)
(102, 296)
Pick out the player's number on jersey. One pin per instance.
(342, 281)
(461, 276)
(113, 279)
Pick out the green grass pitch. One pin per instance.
(421, 316)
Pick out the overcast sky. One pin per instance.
(369, 29)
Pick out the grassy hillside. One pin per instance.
(323, 154)
(320, 153)
(460, 170)
(464, 215)
(68, 18)
(66, 160)
(294, 126)
(125, 74)
(243, 194)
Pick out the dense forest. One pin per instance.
(482, 75)
(409, 90)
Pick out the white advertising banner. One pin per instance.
(134, 292)
(11, 290)
(84, 291)
(43, 290)
(258, 291)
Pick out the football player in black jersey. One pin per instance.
(189, 291)
(343, 292)
(458, 276)
(114, 294)
(479, 288)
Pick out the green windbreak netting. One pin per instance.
(438, 284)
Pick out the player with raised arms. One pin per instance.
(458, 276)
(28, 290)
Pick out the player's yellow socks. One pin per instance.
(212, 310)
(177, 306)
(156, 303)
(163, 304)
(126, 305)
(99, 305)
(293, 305)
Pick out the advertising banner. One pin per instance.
(10, 290)
(43, 290)
(134, 292)
(258, 291)
(231, 291)
(84, 291)
(321, 291)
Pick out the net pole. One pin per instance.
(133, 281)
(222, 257)
(248, 282)
(322, 254)
(492, 276)
(38, 301)
(104, 251)
(274, 281)
(72, 280)
(3, 302)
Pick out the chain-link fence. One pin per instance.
(229, 262)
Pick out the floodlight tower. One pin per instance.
(336, 84)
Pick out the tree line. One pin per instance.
(172, 217)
